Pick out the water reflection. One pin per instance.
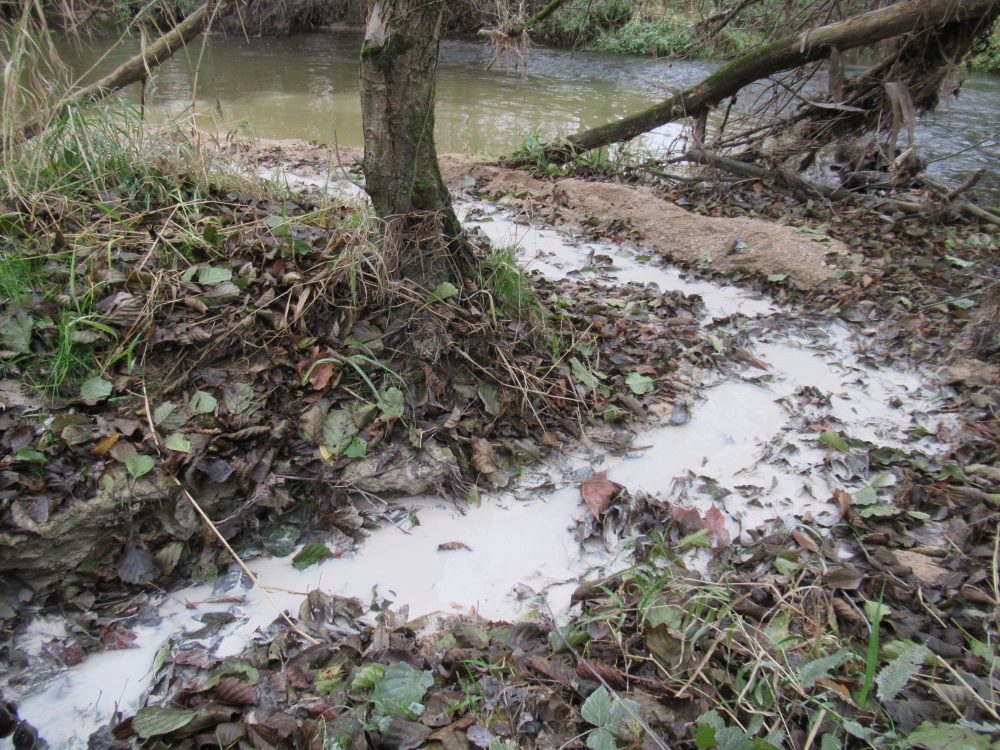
(306, 86)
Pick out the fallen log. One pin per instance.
(910, 17)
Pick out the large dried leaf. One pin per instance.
(236, 692)
(311, 423)
(598, 492)
(843, 577)
(484, 458)
(321, 374)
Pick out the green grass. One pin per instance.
(985, 57)
(513, 296)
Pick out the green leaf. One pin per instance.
(139, 465)
(876, 611)
(169, 416)
(947, 737)
(835, 440)
(357, 448)
(601, 739)
(582, 373)
(444, 290)
(310, 555)
(368, 676)
(639, 384)
(619, 716)
(161, 655)
(612, 414)
(879, 511)
(15, 333)
(865, 496)
(237, 397)
(777, 277)
(152, 721)
(214, 275)
(821, 667)
(712, 732)
(400, 688)
(597, 708)
(30, 455)
(697, 539)
(95, 389)
(963, 303)
(392, 402)
(338, 431)
(280, 539)
(894, 676)
(203, 402)
(232, 667)
(179, 442)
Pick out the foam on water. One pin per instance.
(555, 256)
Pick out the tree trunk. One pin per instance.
(399, 60)
(911, 17)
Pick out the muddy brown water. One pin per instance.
(306, 86)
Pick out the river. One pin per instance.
(306, 86)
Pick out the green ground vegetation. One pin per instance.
(985, 57)
(667, 29)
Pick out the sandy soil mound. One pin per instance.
(724, 244)
(753, 246)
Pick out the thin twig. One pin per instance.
(264, 590)
(208, 521)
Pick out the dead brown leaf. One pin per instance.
(104, 445)
(598, 492)
(235, 692)
(715, 523)
(746, 358)
(453, 546)
(843, 499)
(484, 458)
(805, 541)
(319, 377)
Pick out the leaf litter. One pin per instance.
(661, 644)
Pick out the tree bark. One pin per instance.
(138, 67)
(912, 16)
(399, 60)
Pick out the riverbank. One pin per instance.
(847, 619)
